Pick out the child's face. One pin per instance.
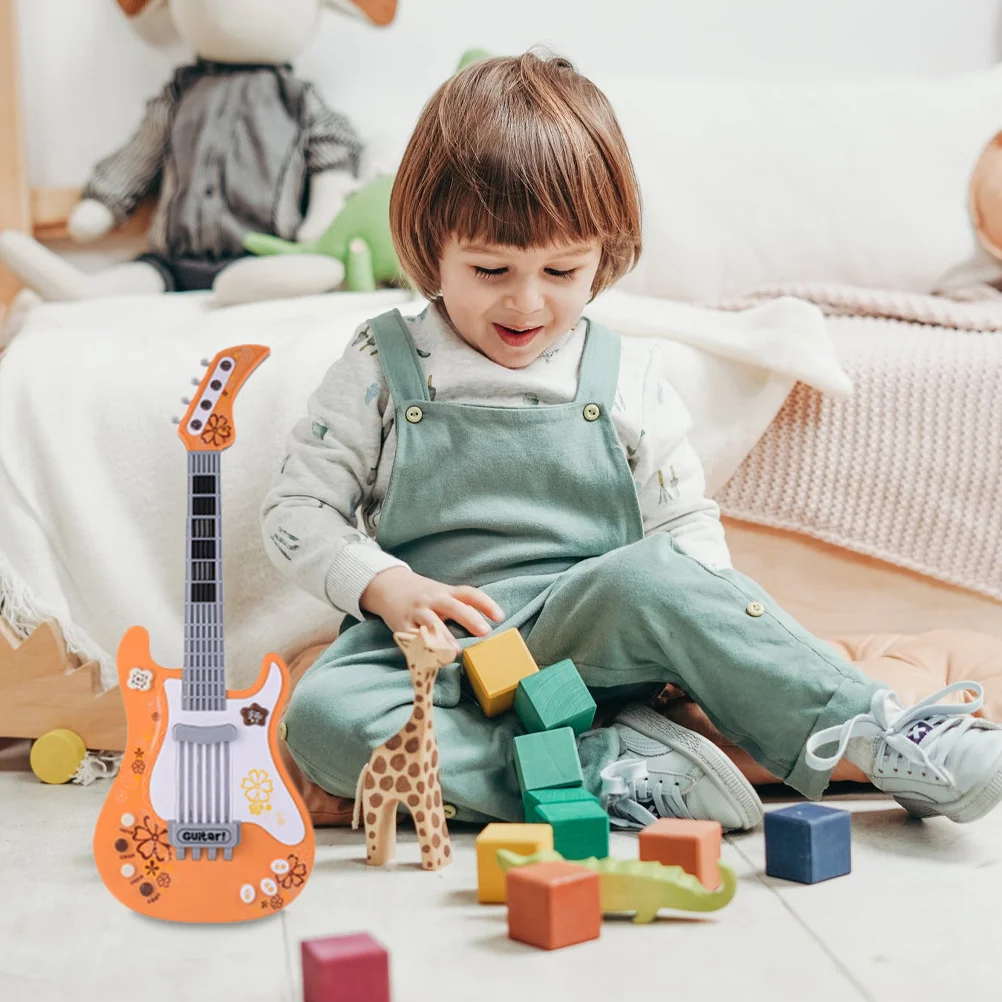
(540, 291)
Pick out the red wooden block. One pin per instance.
(551, 905)
(345, 969)
(693, 845)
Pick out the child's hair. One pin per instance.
(519, 151)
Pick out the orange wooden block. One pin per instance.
(551, 905)
(693, 845)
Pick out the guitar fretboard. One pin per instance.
(203, 679)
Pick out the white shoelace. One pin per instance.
(631, 798)
(903, 733)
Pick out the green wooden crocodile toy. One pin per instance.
(633, 885)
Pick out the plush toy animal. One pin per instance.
(235, 143)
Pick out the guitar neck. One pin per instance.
(203, 679)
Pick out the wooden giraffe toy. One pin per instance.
(405, 769)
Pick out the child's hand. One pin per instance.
(405, 600)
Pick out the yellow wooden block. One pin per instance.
(524, 839)
(495, 667)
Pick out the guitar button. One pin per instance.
(269, 887)
(128, 820)
(247, 893)
(128, 870)
(280, 867)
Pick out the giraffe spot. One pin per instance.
(411, 726)
(398, 761)
(386, 783)
(413, 800)
(434, 820)
(403, 784)
(436, 840)
(427, 801)
(422, 832)
(369, 781)
(447, 851)
(420, 786)
(379, 765)
(414, 769)
(427, 745)
(394, 742)
(376, 799)
(427, 766)
(418, 713)
(438, 798)
(426, 848)
(419, 817)
(412, 745)
(370, 818)
(434, 759)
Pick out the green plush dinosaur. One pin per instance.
(632, 885)
(359, 237)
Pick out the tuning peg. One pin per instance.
(205, 362)
(175, 420)
(186, 400)
(195, 381)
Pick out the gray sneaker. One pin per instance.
(667, 771)
(933, 758)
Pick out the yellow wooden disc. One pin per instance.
(57, 755)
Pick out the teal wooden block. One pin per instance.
(548, 759)
(533, 799)
(580, 828)
(553, 697)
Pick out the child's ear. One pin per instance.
(985, 197)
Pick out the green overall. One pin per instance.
(536, 505)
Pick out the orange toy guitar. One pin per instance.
(202, 823)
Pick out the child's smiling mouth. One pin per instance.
(516, 337)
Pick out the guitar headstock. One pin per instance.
(207, 425)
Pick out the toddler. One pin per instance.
(499, 461)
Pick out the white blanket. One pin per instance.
(93, 475)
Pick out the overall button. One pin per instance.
(283, 730)
(592, 412)
(448, 810)
(755, 609)
(413, 414)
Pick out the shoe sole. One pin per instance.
(715, 764)
(973, 805)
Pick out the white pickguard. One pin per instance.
(255, 780)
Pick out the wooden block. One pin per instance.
(523, 839)
(555, 697)
(345, 969)
(551, 905)
(808, 843)
(547, 760)
(580, 828)
(693, 845)
(532, 799)
(495, 667)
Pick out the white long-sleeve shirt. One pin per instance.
(320, 516)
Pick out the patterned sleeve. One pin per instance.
(671, 485)
(309, 516)
(120, 180)
(331, 140)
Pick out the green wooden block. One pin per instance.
(580, 828)
(554, 697)
(548, 759)
(533, 799)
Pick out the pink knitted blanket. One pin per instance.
(909, 468)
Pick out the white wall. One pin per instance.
(86, 75)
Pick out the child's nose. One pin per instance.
(526, 297)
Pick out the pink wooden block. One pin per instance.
(345, 969)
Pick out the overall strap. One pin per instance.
(399, 358)
(599, 366)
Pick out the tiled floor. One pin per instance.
(919, 917)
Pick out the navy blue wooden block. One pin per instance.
(808, 843)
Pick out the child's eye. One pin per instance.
(495, 272)
(561, 274)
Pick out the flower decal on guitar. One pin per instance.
(217, 431)
(140, 679)
(151, 841)
(254, 715)
(258, 788)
